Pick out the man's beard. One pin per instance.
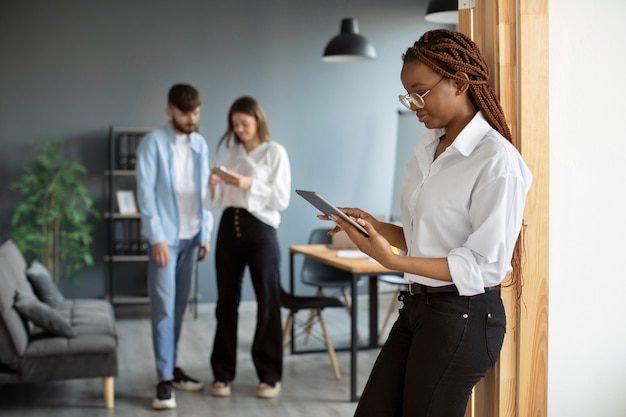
(189, 128)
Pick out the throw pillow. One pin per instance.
(42, 284)
(42, 315)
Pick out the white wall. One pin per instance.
(587, 337)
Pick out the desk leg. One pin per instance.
(353, 338)
(373, 306)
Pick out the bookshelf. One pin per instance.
(127, 257)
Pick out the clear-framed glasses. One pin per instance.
(414, 101)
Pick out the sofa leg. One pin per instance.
(109, 391)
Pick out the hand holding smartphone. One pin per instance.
(222, 172)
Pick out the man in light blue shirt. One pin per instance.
(172, 181)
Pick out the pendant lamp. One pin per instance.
(443, 11)
(348, 45)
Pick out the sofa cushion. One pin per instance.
(13, 332)
(42, 315)
(42, 284)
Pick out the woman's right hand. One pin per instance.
(357, 213)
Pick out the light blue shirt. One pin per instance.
(155, 185)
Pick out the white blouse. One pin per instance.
(268, 165)
(466, 206)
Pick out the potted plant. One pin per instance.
(51, 221)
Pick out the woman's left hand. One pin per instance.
(240, 181)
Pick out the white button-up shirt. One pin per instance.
(466, 205)
(268, 165)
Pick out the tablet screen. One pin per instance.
(325, 207)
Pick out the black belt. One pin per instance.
(414, 288)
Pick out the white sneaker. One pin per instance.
(164, 399)
(268, 392)
(222, 390)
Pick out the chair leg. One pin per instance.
(391, 309)
(109, 392)
(287, 329)
(348, 302)
(311, 320)
(329, 347)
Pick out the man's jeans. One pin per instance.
(170, 288)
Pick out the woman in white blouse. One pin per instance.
(462, 203)
(253, 187)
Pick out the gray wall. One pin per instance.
(70, 69)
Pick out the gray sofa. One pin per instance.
(43, 341)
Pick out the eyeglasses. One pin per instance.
(414, 101)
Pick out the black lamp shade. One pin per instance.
(443, 11)
(348, 45)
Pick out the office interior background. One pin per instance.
(71, 69)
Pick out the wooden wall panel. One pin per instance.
(513, 36)
(533, 126)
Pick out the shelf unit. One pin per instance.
(126, 256)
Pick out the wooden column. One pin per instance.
(513, 36)
(533, 127)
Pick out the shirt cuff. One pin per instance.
(465, 272)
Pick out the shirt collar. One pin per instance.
(194, 138)
(470, 136)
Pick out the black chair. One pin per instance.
(321, 275)
(316, 304)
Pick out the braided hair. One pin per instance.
(446, 52)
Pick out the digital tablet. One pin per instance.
(325, 207)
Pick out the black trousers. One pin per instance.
(242, 241)
(441, 345)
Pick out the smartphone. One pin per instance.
(222, 172)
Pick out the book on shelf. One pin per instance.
(119, 238)
(132, 150)
(127, 150)
(122, 151)
(134, 237)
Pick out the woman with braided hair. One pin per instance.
(462, 202)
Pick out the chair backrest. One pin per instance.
(319, 274)
(319, 236)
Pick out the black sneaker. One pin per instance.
(165, 396)
(184, 382)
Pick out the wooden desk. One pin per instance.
(357, 267)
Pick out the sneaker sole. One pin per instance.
(224, 391)
(163, 404)
(188, 386)
(268, 393)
